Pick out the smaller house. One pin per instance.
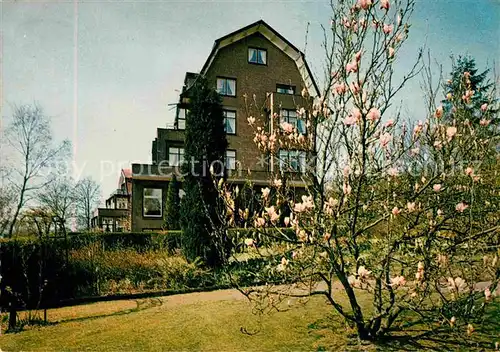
(116, 214)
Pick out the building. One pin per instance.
(254, 61)
(115, 217)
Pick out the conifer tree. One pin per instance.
(205, 146)
(172, 206)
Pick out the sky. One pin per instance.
(106, 71)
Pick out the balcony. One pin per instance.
(287, 101)
(118, 192)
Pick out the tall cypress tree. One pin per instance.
(172, 206)
(205, 146)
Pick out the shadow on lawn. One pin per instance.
(140, 305)
(413, 338)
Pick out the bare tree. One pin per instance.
(58, 197)
(88, 195)
(30, 137)
(5, 207)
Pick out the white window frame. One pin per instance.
(290, 116)
(230, 118)
(292, 161)
(285, 89)
(257, 51)
(178, 152)
(156, 193)
(223, 83)
(181, 119)
(230, 159)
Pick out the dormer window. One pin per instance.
(285, 89)
(257, 56)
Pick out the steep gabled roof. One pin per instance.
(274, 37)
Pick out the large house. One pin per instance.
(254, 61)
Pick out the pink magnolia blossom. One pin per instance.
(389, 123)
(458, 284)
(346, 171)
(299, 208)
(388, 28)
(287, 127)
(249, 242)
(353, 281)
(355, 88)
(393, 172)
(437, 187)
(332, 202)
(439, 112)
(373, 115)
(260, 222)
(357, 56)
(451, 132)
(364, 4)
(470, 329)
(411, 206)
(469, 171)
(265, 192)
(390, 51)
(251, 120)
(484, 122)
(273, 215)
(351, 67)
(363, 273)
(418, 128)
(286, 221)
(347, 189)
(398, 281)
(308, 202)
(384, 4)
(487, 294)
(460, 207)
(484, 107)
(395, 211)
(283, 264)
(453, 320)
(304, 92)
(277, 183)
(340, 88)
(385, 139)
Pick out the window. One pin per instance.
(226, 86)
(181, 119)
(230, 121)
(285, 89)
(107, 224)
(292, 160)
(121, 204)
(257, 56)
(290, 116)
(152, 199)
(231, 159)
(175, 156)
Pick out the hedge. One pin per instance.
(31, 266)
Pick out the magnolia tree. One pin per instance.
(402, 215)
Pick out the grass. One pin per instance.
(202, 321)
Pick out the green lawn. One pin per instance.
(204, 321)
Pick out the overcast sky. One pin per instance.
(105, 71)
